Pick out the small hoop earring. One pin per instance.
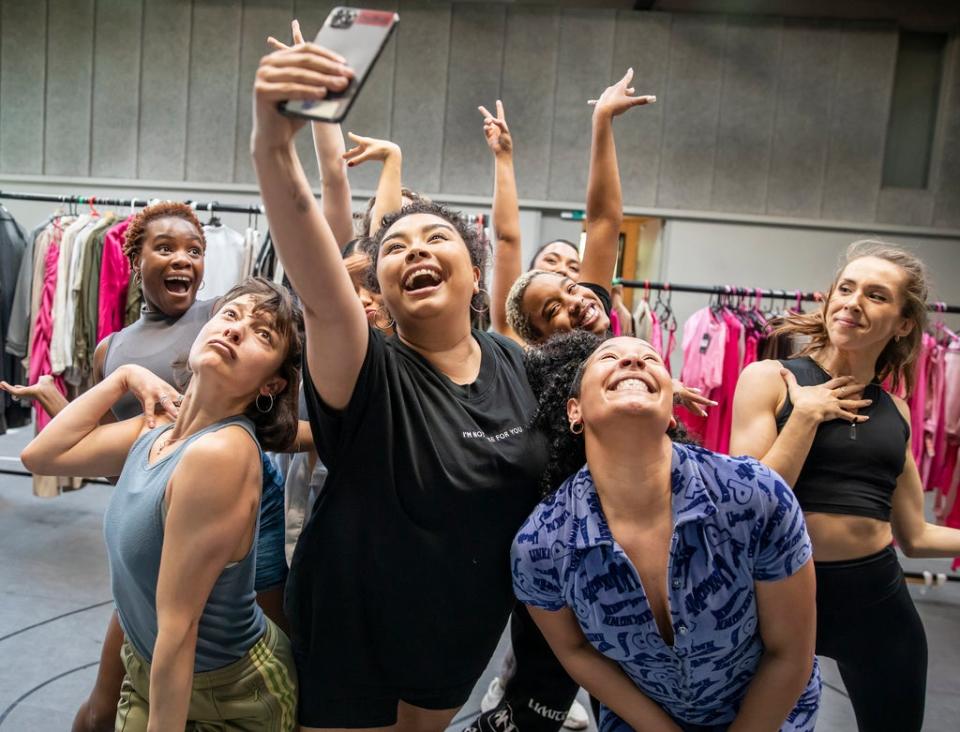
(896, 339)
(377, 321)
(486, 307)
(203, 284)
(138, 276)
(260, 409)
(574, 426)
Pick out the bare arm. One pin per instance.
(597, 674)
(915, 535)
(508, 249)
(604, 197)
(328, 144)
(209, 524)
(389, 197)
(762, 388)
(43, 392)
(302, 237)
(75, 443)
(788, 620)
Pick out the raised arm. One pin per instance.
(210, 522)
(508, 249)
(761, 390)
(302, 236)
(335, 196)
(915, 535)
(604, 197)
(389, 196)
(598, 674)
(75, 443)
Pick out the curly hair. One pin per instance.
(137, 229)
(898, 360)
(555, 371)
(517, 318)
(473, 238)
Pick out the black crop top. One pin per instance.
(849, 470)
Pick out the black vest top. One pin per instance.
(850, 470)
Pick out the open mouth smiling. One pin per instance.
(422, 277)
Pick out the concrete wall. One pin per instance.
(767, 116)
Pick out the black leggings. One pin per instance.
(867, 623)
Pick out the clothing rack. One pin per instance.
(209, 206)
(734, 290)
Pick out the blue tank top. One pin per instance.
(231, 622)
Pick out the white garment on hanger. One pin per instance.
(224, 260)
(61, 338)
(251, 238)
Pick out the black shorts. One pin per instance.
(359, 708)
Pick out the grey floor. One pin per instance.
(55, 603)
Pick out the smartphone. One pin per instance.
(359, 36)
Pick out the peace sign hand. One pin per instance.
(496, 131)
(618, 98)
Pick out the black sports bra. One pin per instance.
(848, 470)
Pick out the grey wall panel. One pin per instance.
(420, 84)
(260, 18)
(116, 88)
(750, 72)
(947, 207)
(808, 69)
(69, 74)
(858, 123)
(214, 79)
(642, 41)
(691, 111)
(584, 70)
(311, 15)
(164, 88)
(370, 114)
(529, 82)
(905, 206)
(476, 58)
(23, 27)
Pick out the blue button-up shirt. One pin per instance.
(735, 523)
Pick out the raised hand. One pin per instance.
(20, 392)
(295, 32)
(836, 399)
(303, 71)
(369, 148)
(620, 97)
(691, 398)
(495, 130)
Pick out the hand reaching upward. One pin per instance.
(619, 97)
(496, 131)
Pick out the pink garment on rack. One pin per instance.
(615, 323)
(667, 354)
(751, 347)
(114, 279)
(934, 428)
(43, 332)
(704, 339)
(656, 333)
(720, 419)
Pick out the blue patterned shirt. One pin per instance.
(735, 523)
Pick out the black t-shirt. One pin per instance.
(602, 292)
(401, 577)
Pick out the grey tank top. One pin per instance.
(156, 341)
(231, 622)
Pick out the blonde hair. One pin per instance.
(898, 360)
(517, 318)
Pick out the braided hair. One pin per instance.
(555, 370)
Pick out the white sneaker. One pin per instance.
(577, 717)
(494, 695)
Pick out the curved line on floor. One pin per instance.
(6, 712)
(56, 617)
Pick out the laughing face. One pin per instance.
(424, 269)
(557, 303)
(171, 263)
(624, 377)
(865, 309)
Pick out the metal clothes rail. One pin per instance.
(209, 206)
(737, 291)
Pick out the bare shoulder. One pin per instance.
(222, 462)
(100, 358)
(763, 375)
(902, 406)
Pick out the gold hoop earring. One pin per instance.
(574, 426)
(138, 276)
(485, 308)
(260, 409)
